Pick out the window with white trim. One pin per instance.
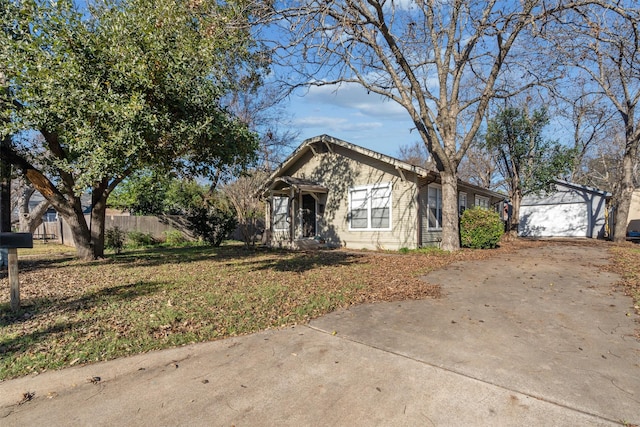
(370, 207)
(280, 213)
(462, 202)
(482, 201)
(435, 207)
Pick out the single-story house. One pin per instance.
(341, 194)
(570, 210)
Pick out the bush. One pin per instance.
(137, 239)
(174, 238)
(114, 239)
(480, 228)
(212, 224)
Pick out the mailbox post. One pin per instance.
(13, 241)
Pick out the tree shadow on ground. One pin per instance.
(146, 257)
(46, 305)
(301, 261)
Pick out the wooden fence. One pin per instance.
(156, 226)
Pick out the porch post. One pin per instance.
(292, 214)
(269, 213)
(300, 214)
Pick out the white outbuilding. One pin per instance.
(571, 210)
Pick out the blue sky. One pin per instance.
(349, 113)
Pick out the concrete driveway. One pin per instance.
(536, 337)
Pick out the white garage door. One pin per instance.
(559, 220)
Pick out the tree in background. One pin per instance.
(146, 192)
(248, 206)
(602, 47)
(261, 109)
(479, 168)
(526, 161)
(119, 87)
(416, 154)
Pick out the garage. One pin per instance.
(571, 210)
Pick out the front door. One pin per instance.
(308, 216)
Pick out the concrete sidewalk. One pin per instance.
(552, 348)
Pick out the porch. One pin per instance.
(295, 210)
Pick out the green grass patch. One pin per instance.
(76, 312)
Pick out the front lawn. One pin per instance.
(76, 312)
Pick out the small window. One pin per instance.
(482, 201)
(370, 207)
(435, 207)
(462, 203)
(280, 213)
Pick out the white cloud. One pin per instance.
(355, 97)
(335, 124)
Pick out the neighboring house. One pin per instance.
(331, 191)
(571, 210)
(633, 222)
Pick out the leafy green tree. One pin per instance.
(143, 193)
(119, 87)
(149, 193)
(527, 161)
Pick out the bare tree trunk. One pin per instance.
(80, 233)
(450, 224)
(625, 191)
(514, 223)
(98, 217)
(30, 220)
(71, 212)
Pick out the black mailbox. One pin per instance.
(16, 240)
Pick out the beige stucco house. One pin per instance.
(333, 192)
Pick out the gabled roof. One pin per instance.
(309, 145)
(329, 141)
(580, 187)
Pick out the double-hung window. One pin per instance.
(462, 202)
(370, 207)
(482, 201)
(435, 207)
(280, 213)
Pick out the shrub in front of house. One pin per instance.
(175, 238)
(138, 239)
(212, 224)
(114, 239)
(480, 228)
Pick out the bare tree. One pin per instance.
(478, 167)
(442, 61)
(415, 154)
(261, 108)
(589, 119)
(603, 48)
(248, 206)
(602, 166)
